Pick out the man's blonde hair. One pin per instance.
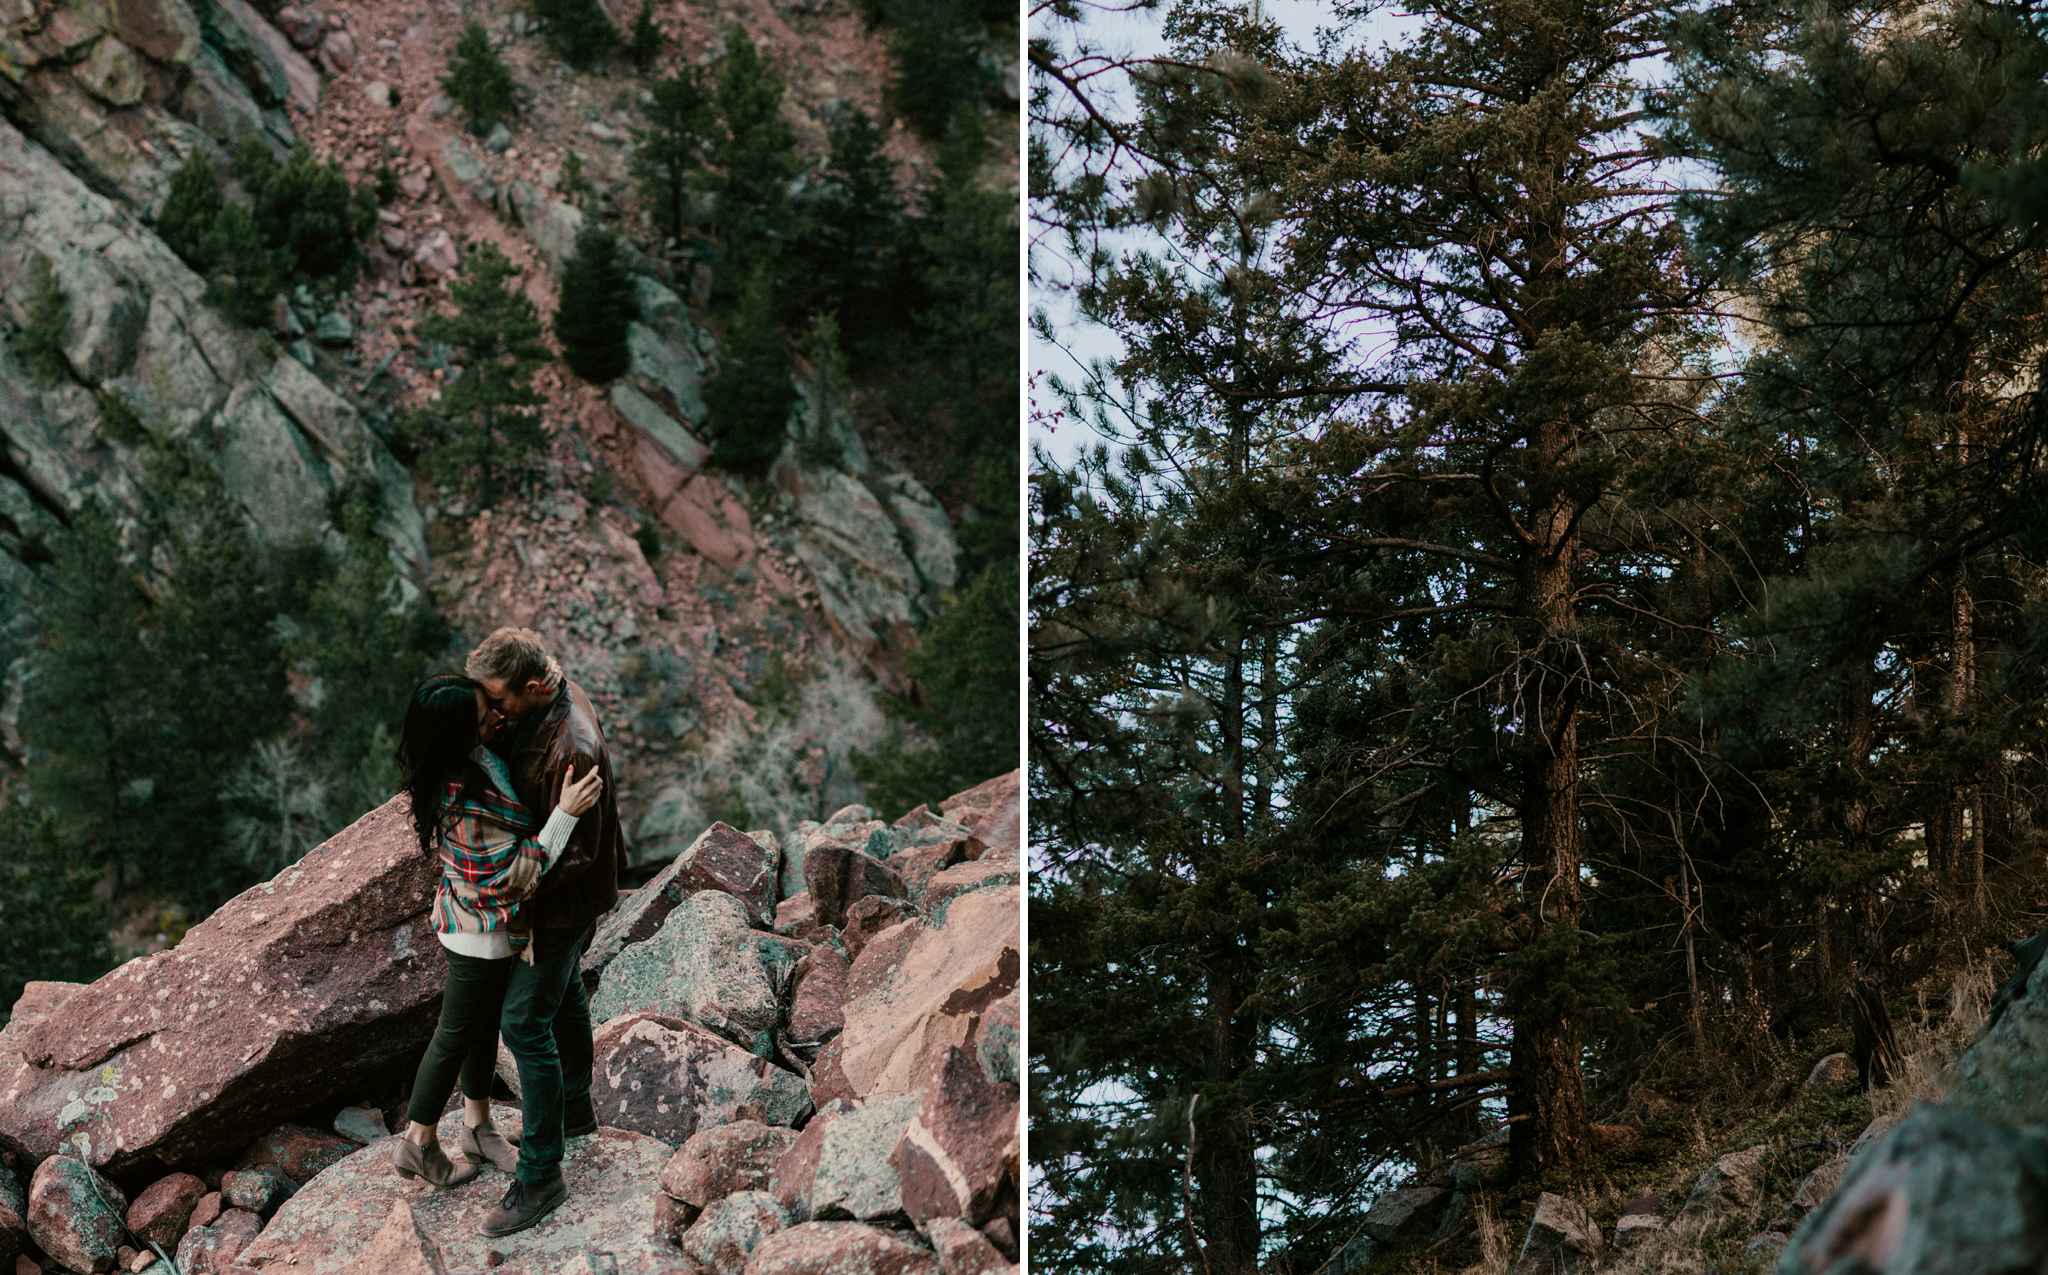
(512, 656)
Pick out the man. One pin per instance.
(546, 1021)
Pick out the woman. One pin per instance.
(464, 813)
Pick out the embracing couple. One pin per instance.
(482, 756)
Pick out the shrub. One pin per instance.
(42, 342)
(307, 208)
(387, 184)
(118, 421)
(478, 81)
(751, 396)
(243, 271)
(195, 200)
(596, 305)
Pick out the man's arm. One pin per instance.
(581, 851)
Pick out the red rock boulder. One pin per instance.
(164, 1209)
(816, 1012)
(963, 1250)
(297, 1149)
(724, 858)
(838, 877)
(324, 980)
(839, 1248)
(668, 1079)
(870, 917)
(716, 1162)
(730, 1229)
(208, 1250)
(74, 1214)
(401, 1247)
(999, 833)
(794, 1173)
(259, 1188)
(967, 808)
(951, 1156)
(13, 1217)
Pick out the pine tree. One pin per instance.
(858, 226)
(647, 41)
(52, 925)
(100, 742)
(672, 146)
(753, 157)
(596, 305)
(968, 270)
(478, 81)
(308, 210)
(480, 427)
(188, 213)
(936, 53)
(751, 396)
(244, 272)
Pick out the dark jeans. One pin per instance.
(546, 1025)
(466, 1040)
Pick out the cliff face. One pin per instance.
(669, 590)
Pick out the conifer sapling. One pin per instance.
(478, 81)
(596, 305)
(751, 396)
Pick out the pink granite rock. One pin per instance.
(795, 916)
(816, 1012)
(672, 1217)
(207, 1211)
(436, 256)
(967, 808)
(325, 980)
(964, 878)
(951, 1156)
(297, 1149)
(74, 1214)
(724, 858)
(918, 989)
(712, 520)
(209, 1250)
(730, 1229)
(871, 916)
(338, 52)
(259, 1188)
(164, 1209)
(839, 876)
(838, 1248)
(999, 833)
(716, 1162)
(668, 1079)
(919, 864)
(963, 1250)
(790, 1183)
(401, 1247)
(300, 27)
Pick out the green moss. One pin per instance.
(42, 341)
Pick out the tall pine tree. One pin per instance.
(596, 305)
(483, 425)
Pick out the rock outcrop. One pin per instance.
(320, 982)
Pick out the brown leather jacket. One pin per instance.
(584, 884)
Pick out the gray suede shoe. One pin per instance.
(411, 1160)
(485, 1143)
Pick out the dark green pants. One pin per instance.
(466, 1042)
(546, 1025)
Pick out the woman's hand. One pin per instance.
(579, 795)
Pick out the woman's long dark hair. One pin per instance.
(439, 732)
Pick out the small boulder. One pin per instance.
(207, 1211)
(963, 1250)
(338, 52)
(164, 1209)
(1563, 1240)
(1812, 1193)
(300, 1151)
(669, 1079)
(300, 27)
(394, 238)
(436, 256)
(259, 1188)
(74, 1214)
(211, 1250)
(500, 139)
(361, 1125)
(707, 965)
(378, 94)
(870, 917)
(1831, 1070)
(716, 1162)
(732, 1228)
(672, 1217)
(1396, 1215)
(1641, 1219)
(1735, 1181)
(950, 1156)
(413, 184)
(919, 864)
(795, 916)
(856, 1177)
(724, 858)
(838, 877)
(839, 1248)
(334, 329)
(795, 1172)
(817, 1011)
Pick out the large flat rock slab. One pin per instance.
(319, 982)
(337, 1216)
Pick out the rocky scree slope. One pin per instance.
(823, 566)
(787, 1082)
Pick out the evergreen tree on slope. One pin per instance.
(596, 305)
